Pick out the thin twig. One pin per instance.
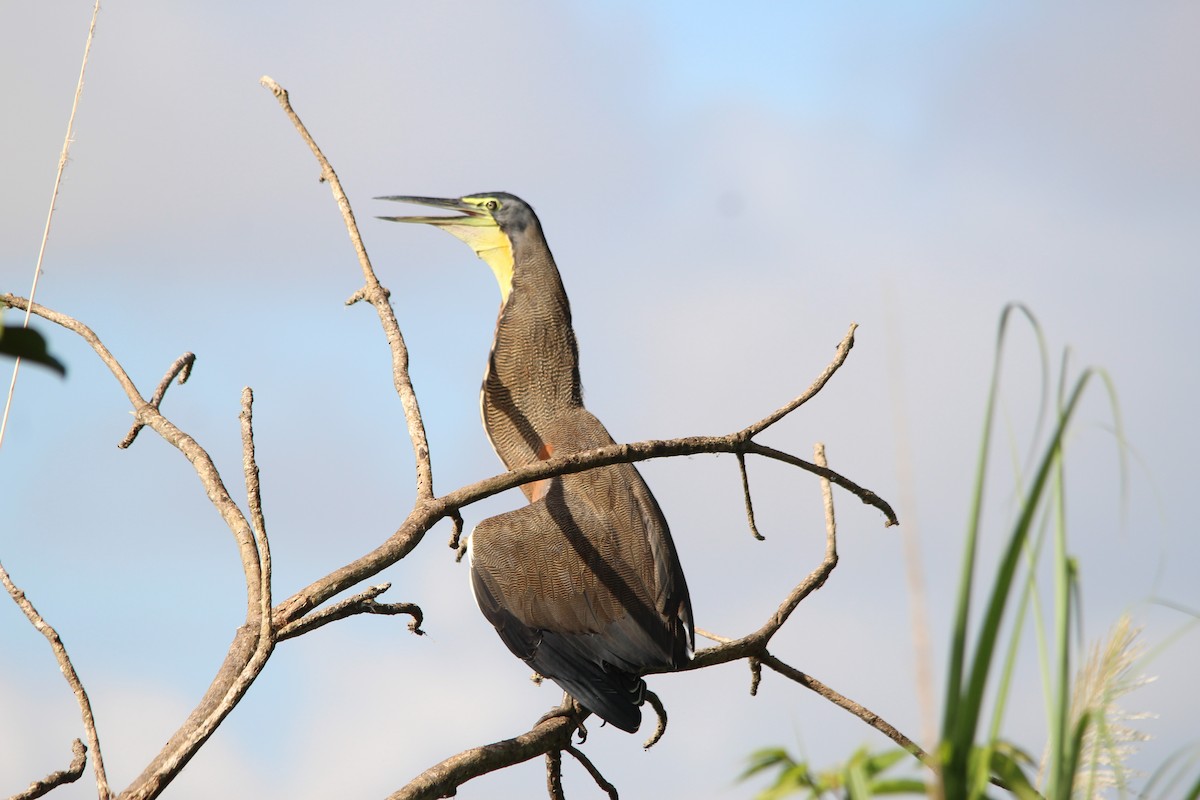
(63, 158)
(362, 603)
(841, 481)
(55, 779)
(68, 671)
(604, 785)
(181, 368)
(378, 297)
(258, 523)
(843, 350)
(741, 459)
(840, 700)
(816, 579)
(857, 709)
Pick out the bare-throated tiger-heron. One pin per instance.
(584, 583)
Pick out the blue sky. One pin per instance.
(725, 192)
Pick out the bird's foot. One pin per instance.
(570, 709)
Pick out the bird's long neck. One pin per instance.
(532, 375)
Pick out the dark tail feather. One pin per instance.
(611, 694)
(617, 701)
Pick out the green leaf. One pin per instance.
(764, 759)
(900, 786)
(879, 762)
(30, 345)
(1005, 765)
(857, 784)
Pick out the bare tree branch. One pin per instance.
(254, 641)
(426, 514)
(741, 459)
(857, 709)
(377, 296)
(55, 779)
(553, 733)
(251, 648)
(183, 368)
(755, 644)
(149, 415)
(363, 603)
(68, 671)
(843, 350)
(258, 522)
(607, 787)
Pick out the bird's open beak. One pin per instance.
(471, 215)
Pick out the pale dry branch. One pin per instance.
(258, 522)
(72, 773)
(250, 649)
(85, 333)
(741, 459)
(839, 358)
(181, 368)
(552, 733)
(253, 644)
(362, 603)
(604, 785)
(867, 496)
(425, 514)
(841, 701)
(72, 677)
(755, 644)
(817, 578)
(376, 295)
(149, 415)
(838, 699)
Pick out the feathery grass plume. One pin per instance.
(1106, 677)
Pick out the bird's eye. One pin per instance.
(491, 205)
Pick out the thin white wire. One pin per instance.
(62, 165)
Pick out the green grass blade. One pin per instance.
(957, 740)
(969, 708)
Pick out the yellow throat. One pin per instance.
(490, 244)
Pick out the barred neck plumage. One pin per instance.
(532, 373)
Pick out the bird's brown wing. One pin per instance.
(552, 579)
(619, 495)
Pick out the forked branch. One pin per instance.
(81, 697)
